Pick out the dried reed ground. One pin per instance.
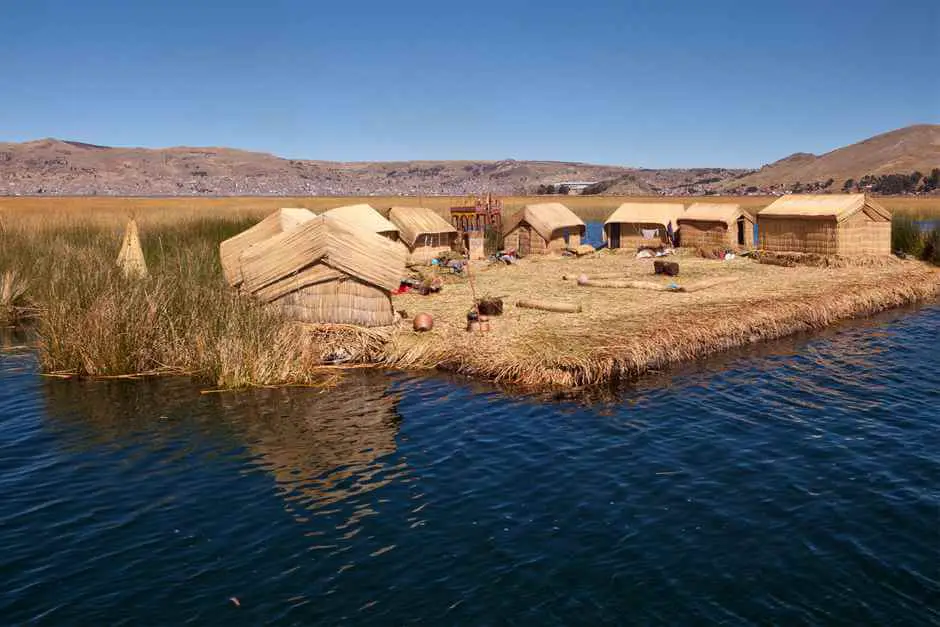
(626, 332)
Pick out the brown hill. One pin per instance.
(51, 166)
(56, 167)
(906, 150)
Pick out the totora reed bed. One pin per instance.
(184, 319)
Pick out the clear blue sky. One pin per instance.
(646, 83)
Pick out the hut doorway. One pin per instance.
(614, 235)
(525, 240)
(741, 225)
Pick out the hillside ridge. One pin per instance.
(52, 166)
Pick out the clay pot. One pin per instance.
(423, 322)
(484, 323)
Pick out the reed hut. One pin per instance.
(326, 270)
(366, 217)
(843, 224)
(231, 249)
(637, 224)
(542, 228)
(426, 234)
(717, 225)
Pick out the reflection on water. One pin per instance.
(323, 447)
(790, 483)
(320, 445)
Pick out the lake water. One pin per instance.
(796, 483)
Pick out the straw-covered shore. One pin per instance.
(624, 332)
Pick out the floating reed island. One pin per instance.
(294, 297)
(582, 319)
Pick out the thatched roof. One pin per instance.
(726, 213)
(647, 213)
(320, 250)
(363, 216)
(838, 207)
(231, 249)
(545, 218)
(413, 222)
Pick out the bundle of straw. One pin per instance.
(131, 258)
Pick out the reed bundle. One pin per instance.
(550, 305)
(131, 257)
(661, 287)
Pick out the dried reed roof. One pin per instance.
(363, 216)
(231, 249)
(413, 222)
(838, 207)
(727, 213)
(544, 218)
(319, 250)
(647, 213)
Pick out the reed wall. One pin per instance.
(706, 234)
(798, 235)
(632, 238)
(857, 235)
(343, 301)
(538, 245)
(424, 254)
(430, 246)
(861, 235)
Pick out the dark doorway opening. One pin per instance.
(615, 235)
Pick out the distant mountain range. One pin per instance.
(58, 167)
(904, 151)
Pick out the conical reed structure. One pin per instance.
(131, 258)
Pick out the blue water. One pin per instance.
(796, 483)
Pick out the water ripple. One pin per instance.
(793, 483)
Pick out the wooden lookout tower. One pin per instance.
(472, 220)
